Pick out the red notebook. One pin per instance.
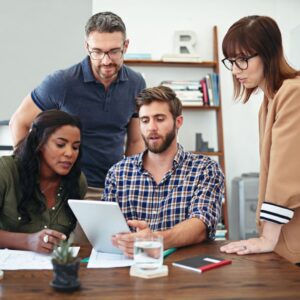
(201, 263)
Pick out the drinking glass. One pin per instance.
(148, 252)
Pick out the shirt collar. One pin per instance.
(87, 70)
(123, 74)
(178, 159)
(88, 74)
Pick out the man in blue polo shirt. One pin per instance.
(101, 90)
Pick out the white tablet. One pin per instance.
(100, 220)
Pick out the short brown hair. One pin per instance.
(160, 94)
(261, 35)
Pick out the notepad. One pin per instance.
(201, 263)
(27, 260)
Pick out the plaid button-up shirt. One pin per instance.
(193, 188)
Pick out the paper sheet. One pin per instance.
(108, 260)
(27, 260)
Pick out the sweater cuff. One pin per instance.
(275, 213)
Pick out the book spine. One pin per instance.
(134, 56)
(215, 86)
(209, 89)
(204, 91)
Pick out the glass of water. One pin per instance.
(148, 252)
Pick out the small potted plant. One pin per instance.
(65, 268)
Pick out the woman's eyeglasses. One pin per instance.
(241, 62)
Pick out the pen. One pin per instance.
(169, 252)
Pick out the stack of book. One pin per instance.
(189, 92)
(137, 56)
(220, 235)
(204, 92)
(220, 232)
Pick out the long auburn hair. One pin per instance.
(261, 35)
(27, 153)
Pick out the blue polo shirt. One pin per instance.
(105, 115)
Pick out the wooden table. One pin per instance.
(263, 276)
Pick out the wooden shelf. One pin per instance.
(200, 107)
(150, 62)
(219, 153)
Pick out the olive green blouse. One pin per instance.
(58, 217)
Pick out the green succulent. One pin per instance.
(62, 254)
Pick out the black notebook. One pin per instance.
(201, 263)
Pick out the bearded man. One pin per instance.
(164, 190)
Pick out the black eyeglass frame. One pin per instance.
(103, 53)
(235, 61)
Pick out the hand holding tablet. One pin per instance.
(100, 221)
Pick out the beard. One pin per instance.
(107, 74)
(164, 145)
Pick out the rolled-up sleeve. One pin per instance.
(207, 199)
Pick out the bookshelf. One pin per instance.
(211, 66)
(160, 63)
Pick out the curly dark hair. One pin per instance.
(27, 154)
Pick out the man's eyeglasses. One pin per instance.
(113, 54)
(241, 62)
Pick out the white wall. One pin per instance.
(151, 25)
(295, 46)
(37, 37)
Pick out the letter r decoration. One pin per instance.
(185, 42)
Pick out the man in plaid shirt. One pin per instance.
(165, 190)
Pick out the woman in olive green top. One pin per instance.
(36, 182)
